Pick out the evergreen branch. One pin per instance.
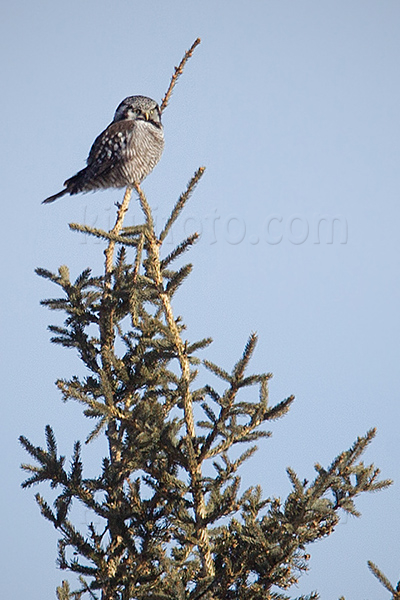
(55, 304)
(177, 279)
(138, 258)
(178, 72)
(86, 588)
(239, 368)
(183, 198)
(210, 413)
(49, 275)
(199, 345)
(107, 321)
(106, 235)
(180, 249)
(212, 393)
(79, 340)
(46, 510)
(96, 430)
(83, 393)
(347, 480)
(247, 434)
(98, 409)
(63, 591)
(295, 481)
(279, 410)
(381, 577)
(248, 381)
(218, 371)
(84, 278)
(72, 537)
(83, 281)
(194, 466)
(233, 433)
(50, 465)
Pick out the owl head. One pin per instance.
(136, 108)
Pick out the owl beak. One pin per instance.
(147, 116)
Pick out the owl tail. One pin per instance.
(52, 198)
(73, 185)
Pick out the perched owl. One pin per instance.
(125, 153)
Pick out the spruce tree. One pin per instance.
(169, 518)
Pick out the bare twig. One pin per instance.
(109, 252)
(177, 73)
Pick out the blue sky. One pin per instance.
(293, 107)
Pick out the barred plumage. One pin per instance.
(125, 153)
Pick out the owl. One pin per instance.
(125, 153)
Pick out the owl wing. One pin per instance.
(109, 148)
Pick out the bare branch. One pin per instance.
(178, 72)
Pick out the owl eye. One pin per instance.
(154, 115)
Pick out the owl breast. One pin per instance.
(144, 147)
(125, 153)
